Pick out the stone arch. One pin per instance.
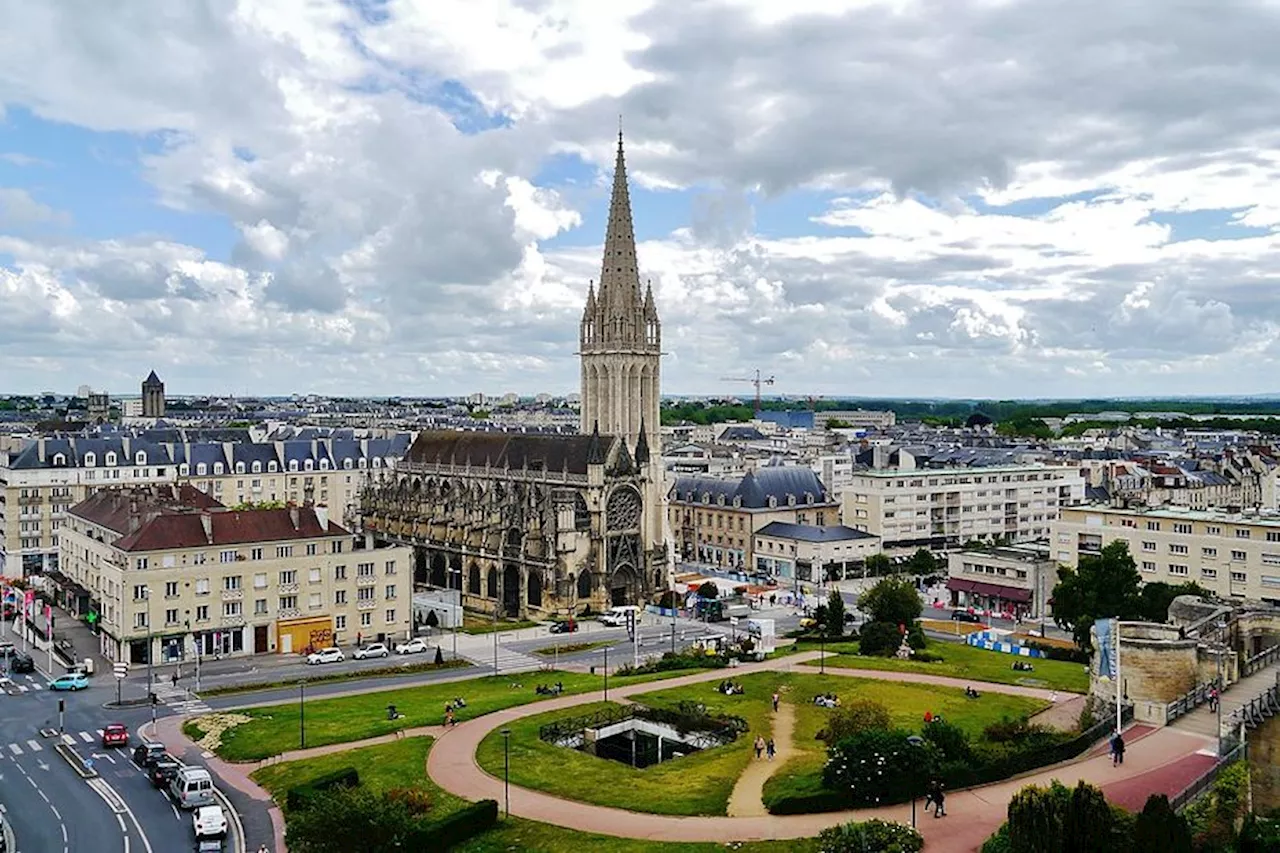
(584, 585)
(581, 513)
(438, 570)
(534, 591)
(473, 580)
(623, 586)
(491, 587)
(511, 589)
(455, 571)
(417, 485)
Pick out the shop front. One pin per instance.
(990, 597)
(299, 636)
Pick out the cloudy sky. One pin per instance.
(904, 197)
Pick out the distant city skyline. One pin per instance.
(995, 200)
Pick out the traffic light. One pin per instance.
(62, 705)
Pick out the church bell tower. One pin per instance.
(620, 338)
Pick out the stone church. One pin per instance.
(532, 525)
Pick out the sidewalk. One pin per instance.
(747, 799)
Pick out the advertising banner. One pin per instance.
(1105, 629)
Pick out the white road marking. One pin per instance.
(69, 740)
(33, 746)
(86, 737)
(15, 749)
(54, 809)
(99, 732)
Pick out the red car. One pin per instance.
(115, 734)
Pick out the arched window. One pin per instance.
(239, 467)
(90, 460)
(111, 457)
(273, 467)
(581, 514)
(293, 464)
(346, 464)
(584, 585)
(377, 462)
(218, 467)
(362, 463)
(184, 469)
(623, 510)
(202, 469)
(308, 464)
(59, 459)
(324, 464)
(140, 458)
(473, 580)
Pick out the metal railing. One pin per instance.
(1257, 710)
(1189, 701)
(562, 729)
(1201, 784)
(1261, 660)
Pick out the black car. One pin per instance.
(162, 771)
(564, 627)
(965, 616)
(145, 754)
(22, 662)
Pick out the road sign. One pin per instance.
(121, 669)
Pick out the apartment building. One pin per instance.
(40, 481)
(1231, 553)
(173, 575)
(943, 507)
(715, 519)
(1016, 580)
(808, 552)
(856, 418)
(836, 471)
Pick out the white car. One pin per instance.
(209, 822)
(333, 654)
(413, 647)
(373, 650)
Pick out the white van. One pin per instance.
(192, 788)
(616, 617)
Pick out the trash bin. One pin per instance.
(88, 666)
(593, 670)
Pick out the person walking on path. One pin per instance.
(770, 749)
(1117, 749)
(775, 701)
(174, 678)
(759, 746)
(1213, 700)
(939, 799)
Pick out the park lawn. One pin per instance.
(401, 764)
(274, 729)
(963, 661)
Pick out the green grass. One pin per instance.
(388, 671)
(702, 782)
(401, 765)
(573, 648)
(968, 662)
(480, 625)
(276, 728)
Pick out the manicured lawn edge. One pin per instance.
(376, 672)
(482, 627)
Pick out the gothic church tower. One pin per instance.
(620, 339)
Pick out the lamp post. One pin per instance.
(1222, 645)
(606, 673)
(454, 619)
(506, 769)
(915, 741)
(495, 635)
(151, 696)
(302, 713)
(673, 620)
(822, 649)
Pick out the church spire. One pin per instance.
(619, 276)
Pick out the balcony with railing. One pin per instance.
(366, 580)
(367, 604)
(289, 613)
(232, 594)
(287, 588)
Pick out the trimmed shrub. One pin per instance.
(878, 835)
(299, 795)
(950, 740)
(1159, 828)
(879, 638)
(879, 766)
(456, 828)
(858, 716)
(811, 803)
(1058, 653)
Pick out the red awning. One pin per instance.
(1008, 593)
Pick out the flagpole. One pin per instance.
(1119, 680)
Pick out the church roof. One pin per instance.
(503, 449)
(152, 379)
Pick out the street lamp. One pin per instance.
(506, 769)
(151, 696)
(456, 610)
(1222, 646)
(822, 649)
(302, 713)
(673, 620)
(606, 673)
(916, 742)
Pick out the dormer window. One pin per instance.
(737, 501)
(791, 500)
(59, 459)
(808, 497)
(111, 457)
(239, 467)
(293, 464)
(202, 469)
(324, 464)
(184, 469)
(273, 467)
(773, 502)
(90, 460)
(308, 464)
(256, 467)
(361, 463)
(346, 464)
(706, 497)
(140, 458)
(377, 462)
(218, 467)
(720, 500)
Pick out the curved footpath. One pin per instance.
(1153, 762)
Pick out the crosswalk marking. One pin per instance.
(33, 746)
(69, 740)
(99, 732)
(15, 749)
(86, 737)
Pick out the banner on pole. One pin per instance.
(1105, 629)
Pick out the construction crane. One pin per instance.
(757, 381)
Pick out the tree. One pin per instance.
(1104, 585)
(347, 819)
(877, 565)
(433, 621)
(879, 639)
(709, 590)
(879, 766)
(858, 716)
(1158, 595)
(894, 600)
(1058, 819)
(834, 614)
(1160, 828)
(922, 562)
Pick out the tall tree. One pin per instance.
(877, 565)
(1160, 828)
(834, 614)
(893, 599)
(1103, 585)
(922, 562)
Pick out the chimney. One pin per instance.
(206, 521)
(134, 521)
(322, 517)
(293, 516)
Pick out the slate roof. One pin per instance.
(754, 488)
(502, 449)
(812, 533)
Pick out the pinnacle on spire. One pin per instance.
(595, 453)
(642, 445)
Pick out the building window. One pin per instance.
(1148, 546)
(255, 554)
(140, 563)
(1177, 549)
(171, 589)
(1208, 573)
(1153, 525)
(231, 582)
(315, 602)
(171, 616)
(289, 576)
(339, 596)
(227, 557)
(390, 567)
(391, 615)
(1209, 552)
(1176, 569)
(260, 580)
(313, 576)
(364, 570)
(1181, 527)
(366, 618)
(1213, 530)
(1239, 577)
(340, 622)
(140, 592)
(202, 613)
(339, 573)
(288, 602)
(260, 607)
(140, 619)
(1239, 556)
(284, 550)
(311, 549)
(390, 592)
(364, 593)
(335, 548)
(1242, 533)
(1148, 566)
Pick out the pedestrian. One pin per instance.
(770, 749)
(1119, 749)
(262, 848)
(449, 718)
(775, 701)
(759, 746)
(939, 799)
(1213, 699)
(174, 679)
(929, 791)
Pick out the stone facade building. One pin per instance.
(529, 525)
(152, 396)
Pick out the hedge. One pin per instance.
(456, 828)
(822, 801)
(343, 777)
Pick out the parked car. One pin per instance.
(115, 734)
(333, 654)
(209, 822)
(146, 753)
(965, 616)
(210, 845)
(75, 681)
(373, 650)
(415, 646)
(192, 788)
(21, 662)
(162, 772)
(566, 627)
